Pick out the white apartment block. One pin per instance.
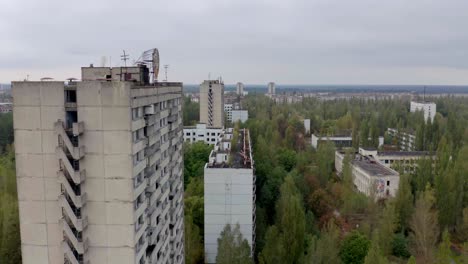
(99, 168)
(239, 115)
(200, 132)
(428, 108)
(228, 111)
(370, 177)
(307, 126)
(212, 103)
(229, 191)
(271, 88)
(406, 139)
(240, 88)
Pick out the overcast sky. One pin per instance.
(287, 41)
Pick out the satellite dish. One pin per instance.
(151, 59)
(155, 63)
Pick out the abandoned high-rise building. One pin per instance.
(212, 103)
(99, 168)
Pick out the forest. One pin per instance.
(306, 214)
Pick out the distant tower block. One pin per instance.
(240, 88)
(212, 103)
(271, 88)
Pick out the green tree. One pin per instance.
(374, 255)
(287, 159)
(195, 157)
(400, 246)
(444, 254)
(388, 223)
(411, 260)
(10, 244)
(424, 227)
(325, 160)
(232, 247)
(191, 112)
(291, 220)
(193, 249)
(6, 130)
(404, 201)
(273, 252)
(354, 248)
(324, 250)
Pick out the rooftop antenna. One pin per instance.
(166, 66)
(124, 57)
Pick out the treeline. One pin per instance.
(195, 158)
(10, 244)
(305, 214)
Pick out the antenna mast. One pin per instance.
(124, 57)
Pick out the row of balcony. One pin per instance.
(72, 198)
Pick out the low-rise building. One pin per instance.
(200, 132)
(370, 177)
(404, 161)
(229, 186)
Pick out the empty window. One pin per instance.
(388, 183)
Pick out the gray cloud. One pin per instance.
(295, 41)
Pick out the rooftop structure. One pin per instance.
(229, 185)
(212, 103)
(200, 132)
(99, 168)
(428, 108)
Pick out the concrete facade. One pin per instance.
(240, 88)
(212, 103)
(428, 108)
(239, 115)
(406, 139)
(229, 184)
(99, 169)
(209, 135)
(271, 88)
(370, 177)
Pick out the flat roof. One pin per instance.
(373, 167)
(405, 153)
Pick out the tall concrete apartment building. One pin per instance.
(212, 103)
(229, 184)
(271, 88)
(240, 88)
(99, 168)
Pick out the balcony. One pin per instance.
(74, 237)
(78, 198)
(69, 254)
(78, 128)
(75, 215)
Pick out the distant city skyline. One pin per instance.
(287, 42)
